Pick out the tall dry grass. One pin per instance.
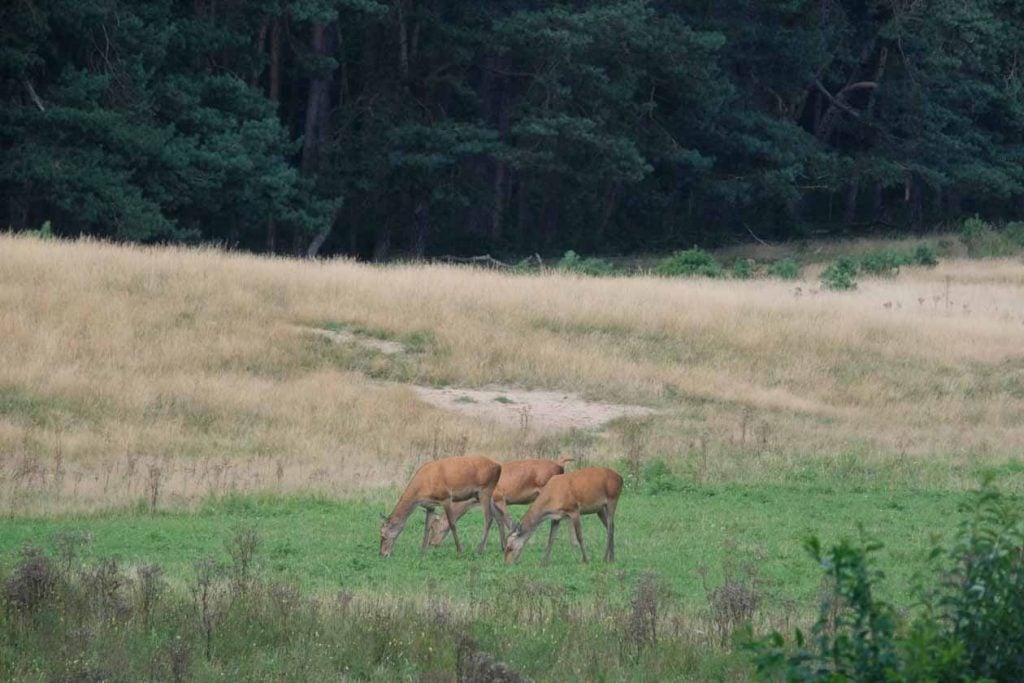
(123, 366)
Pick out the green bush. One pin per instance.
(970, 626)
(573, 263)
(658, 478)
(785, 269)
(840, 274)
(741, 270)
(693, 262)
(973, 228)
(45, 231)
(885, 263)
(982, 240)
(1014, 232)
(924, 256)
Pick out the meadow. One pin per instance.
(158, 401)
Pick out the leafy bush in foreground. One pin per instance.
(971, 625)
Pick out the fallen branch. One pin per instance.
(32, 94)
(761, 241)
(487, 260)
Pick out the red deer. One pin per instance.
(444, 482)
(520, 483)
(592, 490)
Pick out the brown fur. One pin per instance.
(592, 490)
(520, 483)
(444, 483)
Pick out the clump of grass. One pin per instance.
(694, 262)
(785, 269)
(741, 270)
(572, 262)
(840, 275)
(734, 603)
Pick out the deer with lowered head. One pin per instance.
(520, 483)
(592, 490)
(443, 483)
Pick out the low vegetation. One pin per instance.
(155, 403)
(968, 627)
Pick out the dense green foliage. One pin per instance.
(839, 275)
(689, 263)
(969, 628)
(373, 127)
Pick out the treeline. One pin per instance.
(376, 127)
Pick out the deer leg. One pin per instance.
(426, 530)
(609, 526)
(551, 540)
(501, 524)
(610, 512)
(579, 533)
(460, 509)
(450, 514)
(486, 502)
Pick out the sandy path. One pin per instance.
(551, 411)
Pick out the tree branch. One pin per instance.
(836, 101)
(32, 94)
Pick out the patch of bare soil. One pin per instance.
(551, 411)
(345, 337)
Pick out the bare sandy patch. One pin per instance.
(551, 411)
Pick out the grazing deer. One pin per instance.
(444, 482)
(592, 490)
(520, 484)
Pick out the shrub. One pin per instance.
(45, 231)
(32, 583)
(1014, 232)
(982, 240)
(840, 274)
(785, 269)
(693, 262)
(885, 263)
(658, 478)
(982, 599)
(734, 604)
(741, 270)
(924, 256)
(970, 627)
(573, 263)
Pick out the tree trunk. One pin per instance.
(382, 245)
(312, 131)
(852, 194)
(318, 104)
(403, 41)
(421, 216)
(500, 199)
(274, 84)
(522, 210)
(261, 44)
(611, 203)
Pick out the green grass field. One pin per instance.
(326, 545)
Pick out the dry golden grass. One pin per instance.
(124, 369)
